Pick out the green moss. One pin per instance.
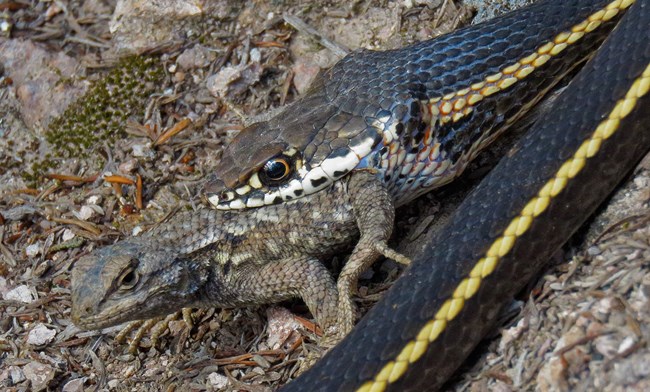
(101, 114)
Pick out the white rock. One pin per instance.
(218, 84)
(626, 344)
(217, 381)
(33, 250)
(39, 374)
(139, 150)
(67, 235)
(76, 385)
(84, 213)
(40, 335)
(21, 293)
(113, 384)
(94, 199)
(3, 287)
(256, 55)
(16, 374)
(281, 325)
(136, 230)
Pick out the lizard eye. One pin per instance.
(128, 279)
(275, 170)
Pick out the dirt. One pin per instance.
(215, 67)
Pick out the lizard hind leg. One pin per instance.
(375, 214)
(302, 277)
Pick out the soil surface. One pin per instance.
(113, 112)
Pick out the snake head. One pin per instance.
(302, 150)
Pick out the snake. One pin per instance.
(415, 117)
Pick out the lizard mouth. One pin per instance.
(88, 313)
(85, 317)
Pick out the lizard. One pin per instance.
(374, 132)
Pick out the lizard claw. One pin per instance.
(154, 327)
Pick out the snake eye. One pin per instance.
(128, 279)
(275, 170)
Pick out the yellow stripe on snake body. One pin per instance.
(413, 350)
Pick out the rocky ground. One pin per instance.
(112, 113)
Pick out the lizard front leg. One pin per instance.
(375, 215)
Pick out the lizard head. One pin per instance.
(130, 280)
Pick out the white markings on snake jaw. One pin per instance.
(253, 202)
(314, 179)
(335, 166)
(362, 147)
(307, 179)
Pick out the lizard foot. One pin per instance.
(154, 327)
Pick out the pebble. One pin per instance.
(21, 293)
(196, 57)
(76, 385)
(33, 250)
(40, 335)
(217, 381)
(67, 235)
(3, 287)
(233, 80)
(84, 213)
(39, 374)
(281, 325)
(140, 150)
(16, 374)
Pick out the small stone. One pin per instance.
(113, 384)
(136, 230)
(179, 76)
(84, 213)
(40, 335)
(67, 235)
(234, 80)
(256, 55)
(552, 376)
(281, 325)
(16, 374)
(129, 371)
(140, 150)
(626, 344)
(21, 293)
(197, 57)
(594, 251)
(218, 83)
(39, 374)
(128, 166)
(305, 72)
(52, 11)
(151, 372)
(94, 199)
(33, 250)
(5, 26)
(217, 381)
(76, 385)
